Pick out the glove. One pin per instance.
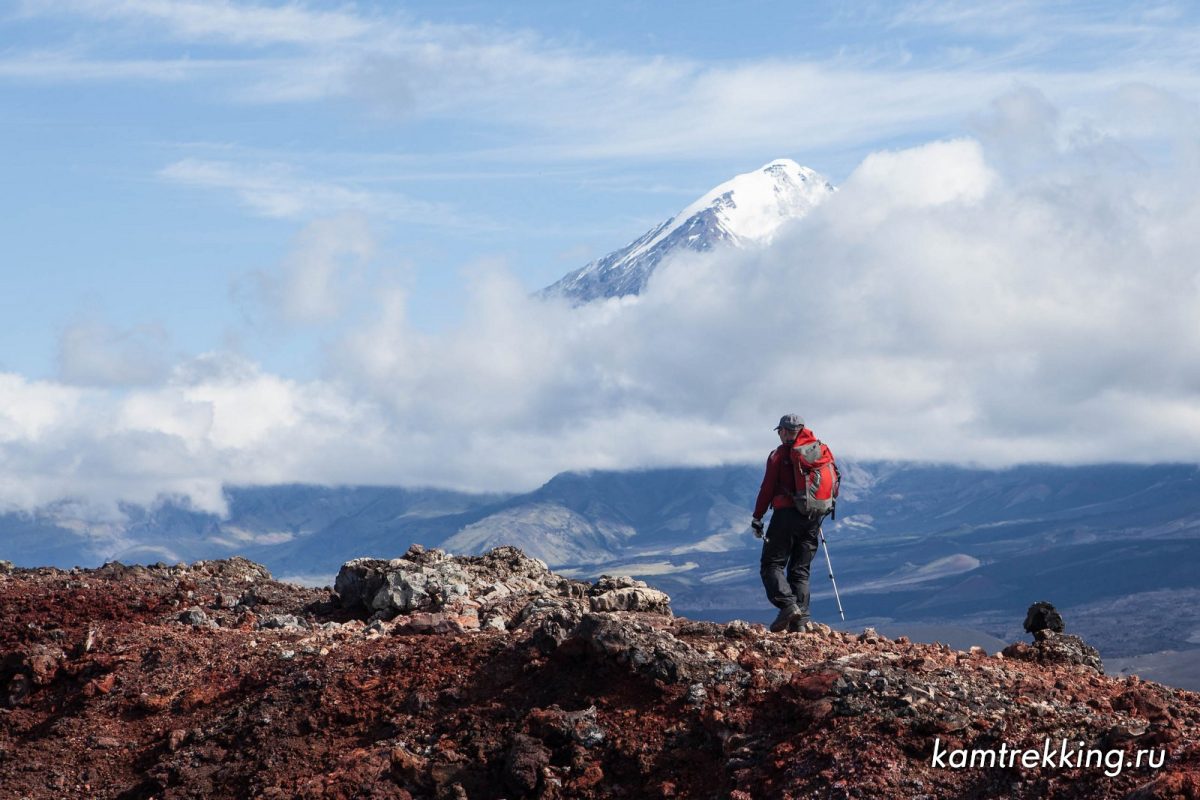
(757, 525)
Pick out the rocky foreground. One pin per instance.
(490, 676)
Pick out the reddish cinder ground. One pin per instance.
(105, 693)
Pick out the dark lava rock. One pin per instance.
(523, 768)
(1043, 616)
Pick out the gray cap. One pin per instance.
(791, 422)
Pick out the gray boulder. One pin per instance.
(425, 580)
(196, 617)
(646, 648)
(1056, 648)
(283, 622)
(494, 586)
(627, 594)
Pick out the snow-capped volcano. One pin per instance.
(744, 211)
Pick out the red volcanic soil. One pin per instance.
(214, 681)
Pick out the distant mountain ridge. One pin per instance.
(745, 211)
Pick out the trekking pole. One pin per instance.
(829, 563)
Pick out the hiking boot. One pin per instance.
(799, 624)
(786, 615)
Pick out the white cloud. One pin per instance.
(95, 353)
(66, 66)
(214, 422)
(316, 279)
(275, 190)
(248, 23)
(918, 179)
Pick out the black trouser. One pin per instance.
(787, 553)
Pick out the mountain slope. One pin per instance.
(745, 211)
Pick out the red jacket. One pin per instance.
(779, 483)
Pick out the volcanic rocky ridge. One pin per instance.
(431, 676)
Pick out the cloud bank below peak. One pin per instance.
(948, 303)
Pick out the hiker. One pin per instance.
(791, 539)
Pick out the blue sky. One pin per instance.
(261, 184)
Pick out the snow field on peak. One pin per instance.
(753, 205)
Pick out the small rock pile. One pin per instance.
(502, 589)
(1050, 644)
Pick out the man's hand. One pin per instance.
(757, 525)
